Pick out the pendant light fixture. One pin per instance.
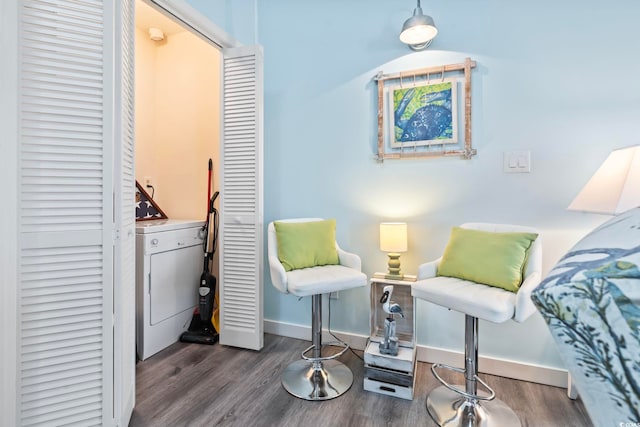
(419, 30)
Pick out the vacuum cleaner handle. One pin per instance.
(209, 184)
(213, 200)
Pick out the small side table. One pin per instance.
(383, 373)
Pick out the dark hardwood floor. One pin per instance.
(200, 385)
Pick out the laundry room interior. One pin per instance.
(177, 132)
(177, 113)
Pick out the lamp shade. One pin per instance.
(419, 30)
(615, 187)
(393, 236)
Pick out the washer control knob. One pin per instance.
(154, 242)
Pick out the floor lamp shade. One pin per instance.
(615, 187)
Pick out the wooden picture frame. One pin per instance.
(146, 208)
(393, 93)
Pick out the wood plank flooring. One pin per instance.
(200, 385)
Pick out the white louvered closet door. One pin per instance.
(125, 217)
(69, 110)
(241, 255)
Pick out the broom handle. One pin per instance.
(209, 186)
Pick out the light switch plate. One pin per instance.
(517, 161)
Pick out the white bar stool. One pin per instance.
(457, 405)
(316, 377)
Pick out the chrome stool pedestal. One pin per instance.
(328, 380)
(448, 408)
(451, 406)
(317, 377)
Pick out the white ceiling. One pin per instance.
(147, 17)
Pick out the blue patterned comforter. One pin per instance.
(591, 303)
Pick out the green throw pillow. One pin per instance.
(306, 244)
(491, 258)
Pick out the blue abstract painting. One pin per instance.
(424, 114)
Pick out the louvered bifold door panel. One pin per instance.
(124, 181)
(241, 199)
(65, 214)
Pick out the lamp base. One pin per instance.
(404, 277)
(394, 267)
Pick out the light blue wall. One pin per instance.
(236, 17)
(557, 78)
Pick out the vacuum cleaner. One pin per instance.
(201, 330)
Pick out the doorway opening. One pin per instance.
(177, 113)
(177, 145)
(237, 152)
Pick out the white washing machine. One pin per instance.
(169, 262)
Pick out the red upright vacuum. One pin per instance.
(201, 330)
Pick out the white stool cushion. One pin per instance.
(324, 279)
(314, 280)
(481, 301)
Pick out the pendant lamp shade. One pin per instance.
(419, 30)
(615, 187)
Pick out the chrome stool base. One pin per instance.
(317, 381)
(450, 409)
(466, 406)
(316, 377)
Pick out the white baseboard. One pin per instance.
(495, 366)
(488, 365)
(303, 332)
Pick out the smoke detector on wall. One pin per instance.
(156, 34)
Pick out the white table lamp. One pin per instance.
(393, 240)
(615, 187)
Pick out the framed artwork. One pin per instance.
(423, 113)
(146, 208)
